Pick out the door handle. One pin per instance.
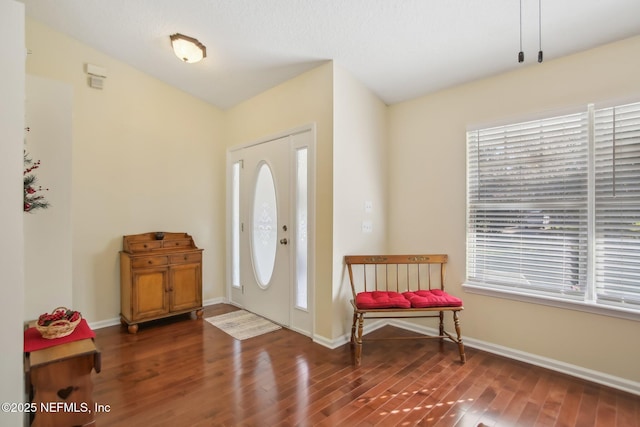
(284, 241)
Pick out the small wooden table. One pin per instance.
(58, 380)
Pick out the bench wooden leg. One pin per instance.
(353, 328)
(358, 341)
(456, 322)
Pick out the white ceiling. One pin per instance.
(400, 49)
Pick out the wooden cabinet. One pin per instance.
(160, 276)
(58, 381)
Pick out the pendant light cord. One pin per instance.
(520, 24)
(540, 30)
(521, 53)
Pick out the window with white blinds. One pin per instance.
(553, 207)
(617, 205)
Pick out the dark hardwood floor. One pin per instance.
(186, 372)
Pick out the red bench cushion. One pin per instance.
(432, 298)
(381, 299)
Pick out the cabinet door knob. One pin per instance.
(150, 262)
(284, 241)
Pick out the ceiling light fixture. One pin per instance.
(187, 48)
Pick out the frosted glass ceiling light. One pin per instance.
(187, 48)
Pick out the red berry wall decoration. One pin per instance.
(33, 197)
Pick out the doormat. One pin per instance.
(241, 324)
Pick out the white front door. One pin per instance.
(264, 243)
(269, 242)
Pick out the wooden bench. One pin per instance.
(401, 286)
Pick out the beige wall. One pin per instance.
(300, 101)
(12, 86)
(428, 159)
(47, 232)
(351, 149)
(146, 157)
(149, 157)
(360, 174)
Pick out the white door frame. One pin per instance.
(306, 326)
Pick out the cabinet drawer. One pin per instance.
(150, 261)
(145, 246)
(185, 258)
(184, 243)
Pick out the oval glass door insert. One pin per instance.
(265, 224)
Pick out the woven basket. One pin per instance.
(61, 328)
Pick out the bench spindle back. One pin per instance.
(398, 273)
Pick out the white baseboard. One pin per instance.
(116, 320)
(533, 359)
(326, 342)
(558, 366)
(105, 323)
(213, 301)
(333, 344)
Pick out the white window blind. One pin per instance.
(617, 177)
(532, 217)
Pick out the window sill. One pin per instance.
(552, 302)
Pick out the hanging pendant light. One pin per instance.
(540, 54)
(521, 53)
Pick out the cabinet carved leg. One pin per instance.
(133, 329)
(199, 313)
